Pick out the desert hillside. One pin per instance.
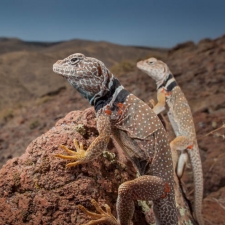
(33, 98)
(26, 72)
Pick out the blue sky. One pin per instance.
(162, 23)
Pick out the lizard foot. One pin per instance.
(78, 155)
(100, 217)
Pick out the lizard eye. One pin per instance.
(74, 61)
(150, 62)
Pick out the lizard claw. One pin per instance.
(100, 217)
(78, 155)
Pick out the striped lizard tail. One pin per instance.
(198, 182)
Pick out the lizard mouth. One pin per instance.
(139, 64)
(66, 71)
(142, 65)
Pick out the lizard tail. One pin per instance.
(198, 182)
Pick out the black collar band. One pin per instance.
(164, 83)
(171, 86)
(107, 97)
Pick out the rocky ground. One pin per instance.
(33, 99)
(37, 189)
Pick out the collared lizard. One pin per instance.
(181, 119)
(138, 131)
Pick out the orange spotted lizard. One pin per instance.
(138, 131)
(181, 119)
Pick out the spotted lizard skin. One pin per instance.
(138, 131)
(181, 120)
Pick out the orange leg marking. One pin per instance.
(190, 147)
(167, 93)
(108, 111)
(120, 106)
(166, 190)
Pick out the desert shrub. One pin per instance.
(6, 115)
(34, 124)
(122, 67)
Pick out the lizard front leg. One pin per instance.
(95, 149)
(161, 98)
(81, 156)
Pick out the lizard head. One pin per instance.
(156, 69)
(88, 75)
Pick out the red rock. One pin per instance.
(214, 207)
(37, 189)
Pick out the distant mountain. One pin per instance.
(107, 52)
(15, 44)
(26, 67)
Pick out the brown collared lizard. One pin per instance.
(137, 130)
(181, 119)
